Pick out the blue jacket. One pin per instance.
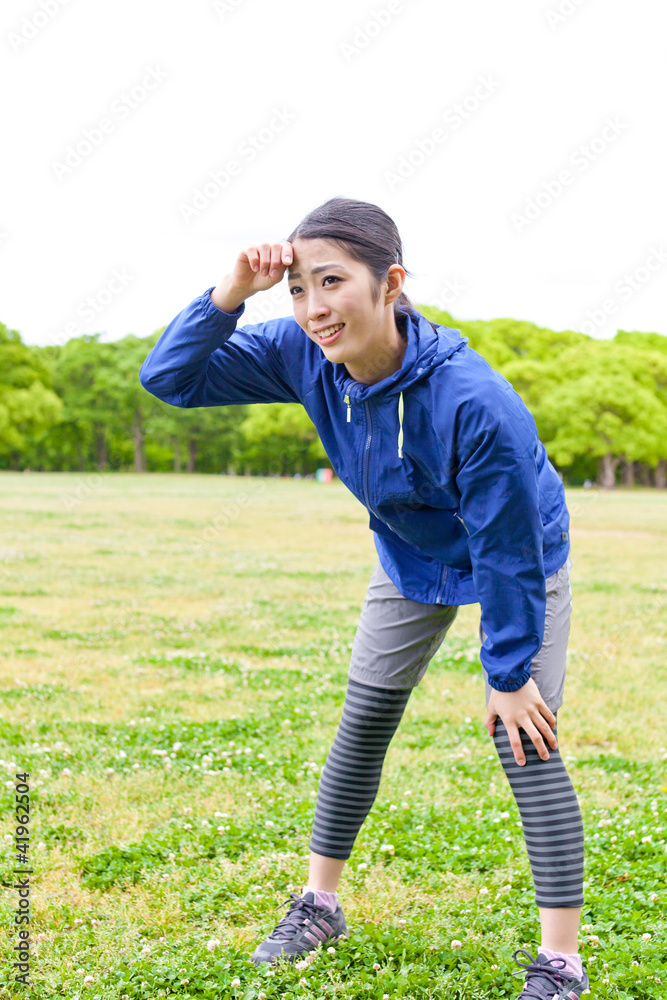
(463, 501)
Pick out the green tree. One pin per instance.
(279, 436)
(28, 405)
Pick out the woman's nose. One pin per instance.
(316, 308)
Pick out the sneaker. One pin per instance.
(545, 979)
(302, 928)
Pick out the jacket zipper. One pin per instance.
(367, 456)
(443, 582)
(346, 399)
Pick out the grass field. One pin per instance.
(174, 660)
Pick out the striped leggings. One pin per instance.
(547, 803)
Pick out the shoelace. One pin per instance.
(299, 911)
(539, 972)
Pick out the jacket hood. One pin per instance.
(426, 348)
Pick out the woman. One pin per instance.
(465, 507)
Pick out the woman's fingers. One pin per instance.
(276, 266)
(269, 259)
(535, 736)
(542, 723)
(515, 742)
(252, 253)
(264, 257)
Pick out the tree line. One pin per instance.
(600, 407)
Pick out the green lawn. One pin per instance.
(174, 660)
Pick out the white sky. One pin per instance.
(221, 70)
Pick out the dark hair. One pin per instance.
(366, 233)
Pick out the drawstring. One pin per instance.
(346, 400)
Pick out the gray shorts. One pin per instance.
(396, 637)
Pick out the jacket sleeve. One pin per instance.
(203, 359)
(498, 482)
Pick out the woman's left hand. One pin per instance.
(526, 709)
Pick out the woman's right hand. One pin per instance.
(258, 267)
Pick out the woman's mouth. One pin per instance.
(330, 334)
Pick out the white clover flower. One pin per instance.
(377, 966)
(392, 808)
(646, 937)
(261, 995)
(455, 945)
(302, 982)
(235, 983)
(301, 965)
(402, 923)
(331, 951)
(213, 943)
(484, 891)
(88, 980)
(594, 940)
(586, 928)
(360, 867)
(387, 848)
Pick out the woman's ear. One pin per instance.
(395, 282)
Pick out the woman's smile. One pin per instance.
(329, 334)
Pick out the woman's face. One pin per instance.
(337, 295)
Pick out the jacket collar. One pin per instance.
(425, 349)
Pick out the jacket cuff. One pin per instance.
(510, 683)
(209, 307)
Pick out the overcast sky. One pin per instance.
(519, 146)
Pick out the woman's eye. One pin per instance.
(297, 288)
